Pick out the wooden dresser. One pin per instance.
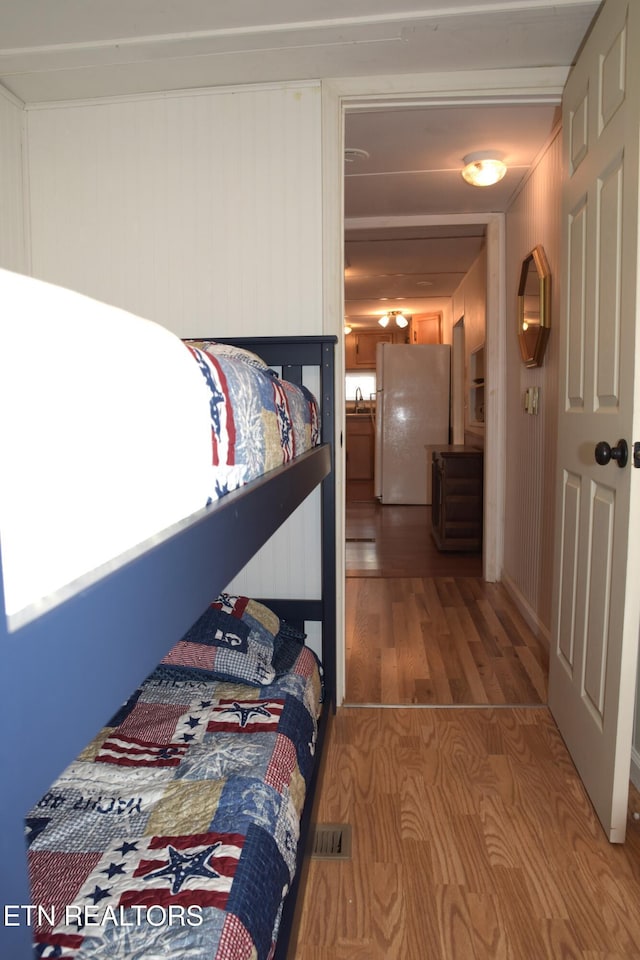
(456, 502)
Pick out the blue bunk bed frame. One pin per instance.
(131, 616)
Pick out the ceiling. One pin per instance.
(53, 50)
(413, 168)
(67, 49)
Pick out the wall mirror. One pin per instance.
(534, 307)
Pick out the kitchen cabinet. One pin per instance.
(426, 328)
(360, 450)
(360, 348)
(456, 502)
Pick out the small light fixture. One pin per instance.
(347, 329)
(484, 168)
(400, 319)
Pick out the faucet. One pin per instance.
(358, 399)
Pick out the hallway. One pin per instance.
(423, 628)
(395, 541)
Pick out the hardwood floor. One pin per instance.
(395, 541)
(473, 839)
(439, 640)
(422, 627)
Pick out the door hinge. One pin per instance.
(636, 455)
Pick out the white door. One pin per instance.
(597, 604)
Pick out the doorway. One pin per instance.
(401, 612)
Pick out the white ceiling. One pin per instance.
(53, 50)
(64, 49)
(413, 168)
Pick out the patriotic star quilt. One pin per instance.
(258, 421)
(174, 833)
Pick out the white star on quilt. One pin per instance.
(182, 866)
(245, 713)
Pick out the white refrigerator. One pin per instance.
(412, 413)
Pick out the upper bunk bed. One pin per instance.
(122, 618)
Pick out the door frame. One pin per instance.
(495, 416)
(531, 85)
(457, 379)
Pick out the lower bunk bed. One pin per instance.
(176, 831)
(70, 665)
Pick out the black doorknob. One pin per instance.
(605, 453)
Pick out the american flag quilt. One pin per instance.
(258, 422)
(174, 833)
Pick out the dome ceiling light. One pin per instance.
(351, 154)
(484, 168)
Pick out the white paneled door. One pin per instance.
(597, 602)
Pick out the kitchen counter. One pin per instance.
(360, 455)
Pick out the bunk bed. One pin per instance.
(135, 611)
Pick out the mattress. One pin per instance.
(118, 431)
(175, 832)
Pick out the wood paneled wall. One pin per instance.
(12, 214)
(199, 209)
(533, 218)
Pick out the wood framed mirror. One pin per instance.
(534, 307)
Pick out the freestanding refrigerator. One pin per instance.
(412, 413)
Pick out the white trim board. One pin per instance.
(339, 95)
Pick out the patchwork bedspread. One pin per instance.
(258, 421)
(174, 833)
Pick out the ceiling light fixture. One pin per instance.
(351, 154)
(400, 319)
(484, 168)
(347, 329)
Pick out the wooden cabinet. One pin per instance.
(426, 328)
(360, 451)
(360, 349)
(456, 505)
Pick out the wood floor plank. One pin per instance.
(456, 925)
(473, 837)
(490, 941)
(478, 693)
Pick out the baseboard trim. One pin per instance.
(527, 611)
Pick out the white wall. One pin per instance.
(534, 218)
(200, 209)
(12, 213)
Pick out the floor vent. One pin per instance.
(332, 841)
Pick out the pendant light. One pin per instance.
(397, 316)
